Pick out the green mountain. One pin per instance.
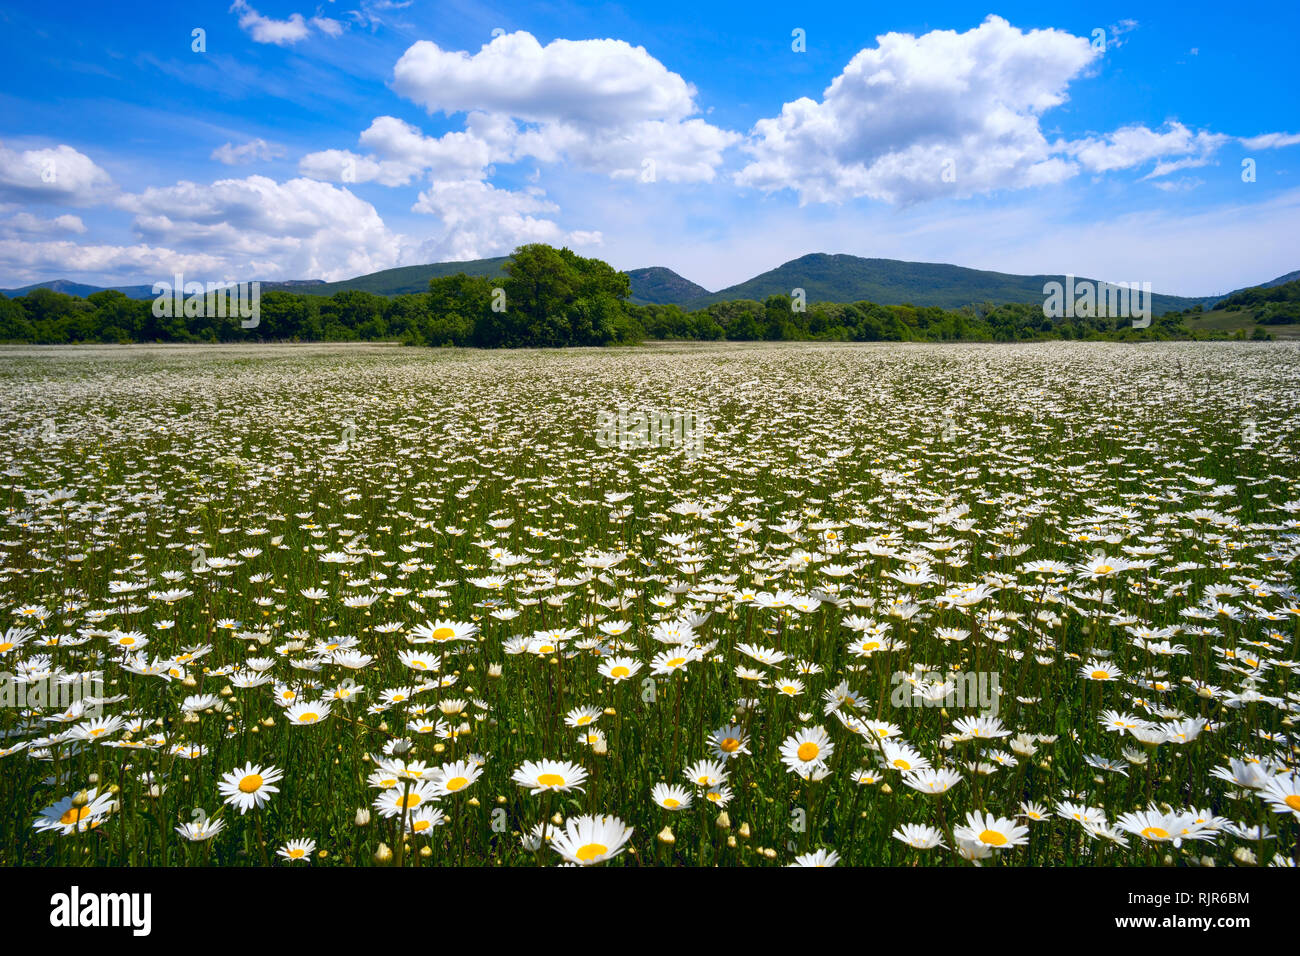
(842, 278)
(395, 281)
(660, 286)
(824, 278)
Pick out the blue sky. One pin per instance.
(332, 140)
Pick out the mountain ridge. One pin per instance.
(824, 277)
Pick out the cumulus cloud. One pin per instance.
(400, 153)
(252, 151)
(1137, 145)
(282, 32)
(259, 228)
(60, 175)
(480, 220)
(24, 261)
(913, 118)
(25, 224)
(603, 105)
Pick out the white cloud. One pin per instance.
(282, 32)
(1271, 140)
(1137, 145)
(252, 151)
(25, 262)
(25, 224)
(259, 228)
(904, 113)
(479, 220)
(603, 105)
(404, 153)
(60, 175)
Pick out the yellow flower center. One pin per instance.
(730, 745)
(444, 633)
(309, 718)
(412, 800)
(251, 784)
(902, 764)
(619, 671)
(677, 662)
(73, 815)
(992, 838)
(808, 751)
(590, 851)
(1293, 802)
(551, 780)
(1155, 833)
(672, 803)
(456, 783)
(1100, 675)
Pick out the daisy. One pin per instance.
(454, 777)
(729, 742)
(441, 632)
(303, 714)
(918, 836)
(406, 798)
(542, 775)
(1282, 792)
(706, 773)
(619, 668)
(297, 850)
(804, 750)
(582, 716)
(818, 858)
(670, 796)
(249, 787)
(587, 840)
(77, 813)
(991, 831)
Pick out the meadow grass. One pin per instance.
(1033, 604)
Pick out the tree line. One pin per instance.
(547, 297)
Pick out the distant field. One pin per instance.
(1220, 320)
(692, 604)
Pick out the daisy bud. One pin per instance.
(383, 855)
(81, 799)
(426, 851)
(557, 819)
(723, 822)
(494, 671)
(600, 748)
(1207, 861)
(610, 712)
(744, 831)
(770, 853)
(666, 835)
(473, 801)
(190, 682)
(886, 788)
(93, 778)
(731, 842)
(268, 722)
(1245, 856)
(363, 817)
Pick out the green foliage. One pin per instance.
(543, 297)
